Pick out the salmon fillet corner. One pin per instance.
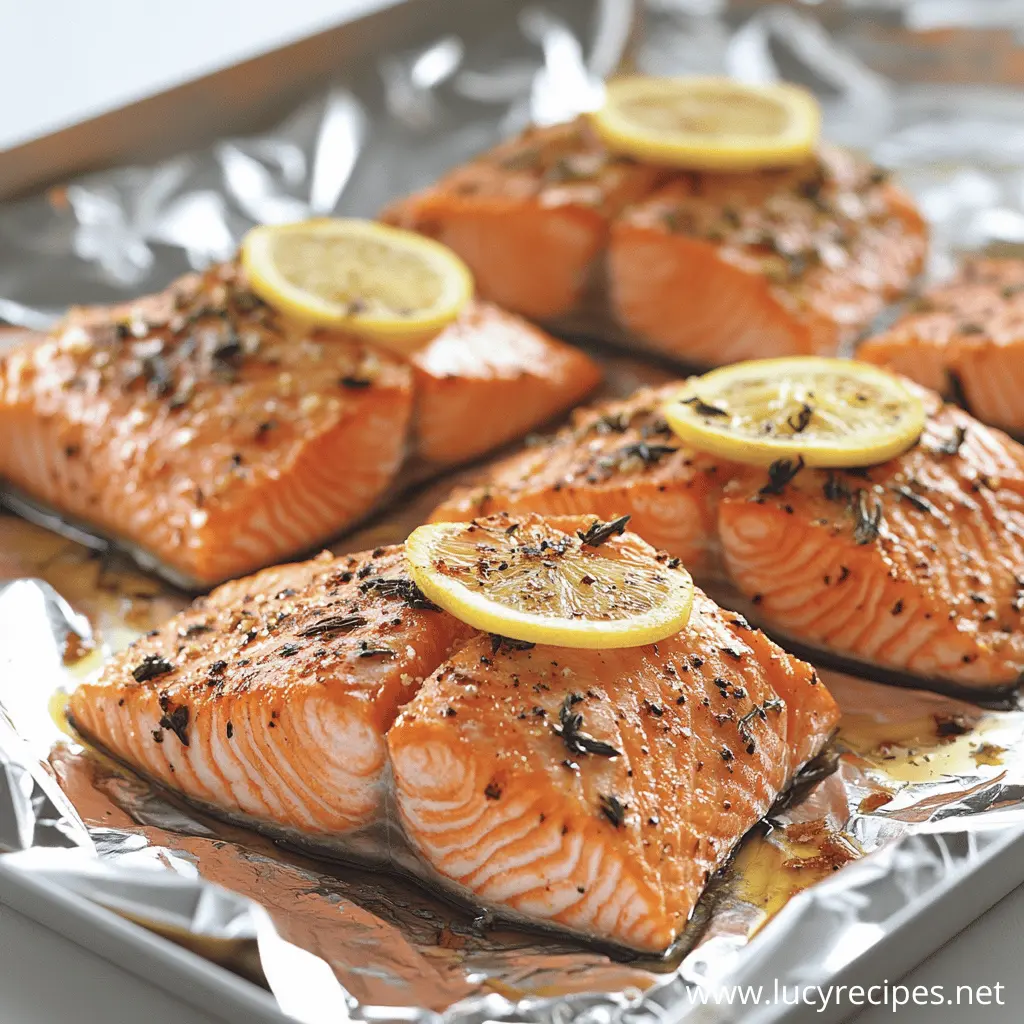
(270, 698)
(965, 339)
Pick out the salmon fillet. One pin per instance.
(271, 697)
(278, 698)
(715, 268)
(965, 339)
(218, 436)
(707, 268)
(614, 458)
(530, 217)
(488, 379)
(598, 791)
(917, 564)
(935, 588)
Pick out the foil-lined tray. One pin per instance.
(923, 806)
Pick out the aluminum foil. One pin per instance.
(925, 792)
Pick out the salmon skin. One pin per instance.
(706, 268)
(965, 339)
(218, 437)
(914, 567)
(596, 791)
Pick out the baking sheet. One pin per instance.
(927, 790)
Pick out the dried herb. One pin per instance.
(867, 520)
(758, 711)
(176, 719)
(228, 354)
(613, 809)
(954, 444)
(288, 650)
(921, 504)
(648, 454)
(570, 728)
(780, 473)
(366, 651)
(835, 489)
(152, 666)
(599, 532)
(403, 589)
(799, 424)
(507, 643)
(703, 408)
(333, 625)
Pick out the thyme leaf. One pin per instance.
(599, 532)
(333, 625)
(703, 408)
(780, 473)
(152, 666)
(867, 520)
(570, 728)
(612, 808)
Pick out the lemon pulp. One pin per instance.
(712, 124)
(829, 412)
(388, 285)
(587, 584)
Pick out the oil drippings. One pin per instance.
(928, 747)
(773, 866)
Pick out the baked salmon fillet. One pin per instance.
(715, 268)
(270, 698)
(915, 566)
(595, 791)
(531, 217)
(965, 339)
(614, 458)
(598, 791)
(706, 268)
(216, 436)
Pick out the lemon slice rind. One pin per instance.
(636, 117)
(474, 605)
(831, 413)
(336, 251)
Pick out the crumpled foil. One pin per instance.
(926, 791)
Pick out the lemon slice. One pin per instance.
(708, 124)
(829, 412)
(580, 583)
(383, 283)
